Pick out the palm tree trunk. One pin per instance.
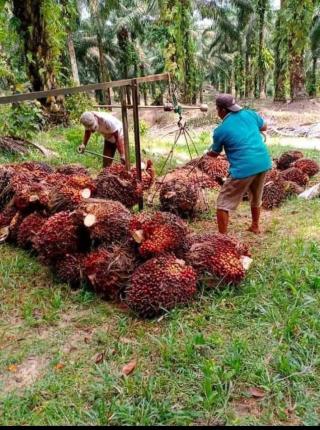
(261, 67)
(73, 60)
(36, 44)
(104, 74)
(280, 55)
(313, 91)
(297, 76)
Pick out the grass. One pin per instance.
(194, 366)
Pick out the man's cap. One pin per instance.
(88, 120)
(227, 101)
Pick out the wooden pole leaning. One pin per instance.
(124, 112)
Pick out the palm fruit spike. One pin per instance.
(295, 175)
(28, 230)
(69, 269)
(106, 220)
(109, 269)
(308, 166)
(179, 197)
(58, 236)
(161, 284)
(158, 233)
(287, 158)
(273, 194)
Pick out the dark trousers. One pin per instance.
(109, 150)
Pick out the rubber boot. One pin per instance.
(255, 213)
(223, 221)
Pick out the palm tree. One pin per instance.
(315, 50)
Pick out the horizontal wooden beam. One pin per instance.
(81, 89)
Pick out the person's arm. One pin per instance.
(216, 147)
(86, 137)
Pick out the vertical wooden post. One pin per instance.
(135, 104)
(124, 112)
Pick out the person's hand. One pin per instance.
(123, 160)
(81, 148)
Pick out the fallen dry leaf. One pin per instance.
(129, 368)
(59, 366)
(99, 358)
(257, 392)
(12, 368)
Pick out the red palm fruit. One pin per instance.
(158, 232)
(58, 236)
(109, 270)
(179, 197)
(161, 284)
(295, 175)
(28, 230)
(69, 269)
(273, 194)
(287, 158)
(308, 166)
(106, 220)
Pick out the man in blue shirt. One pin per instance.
(239, 135)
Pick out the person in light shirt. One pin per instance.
(110, 128)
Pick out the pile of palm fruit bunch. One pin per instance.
(116, 183)
(181, 189)
(150, 261)
(289, 176)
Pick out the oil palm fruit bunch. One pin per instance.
(308, 166)
(109, 270)
(106, 220)
(179, 197)
(160, 284)
(69, 269)
(115, 183)
(29, 229)
(158, 232)
(287, 158)
(274, 194)
(296, 175)
(58, 236)
(218, 255)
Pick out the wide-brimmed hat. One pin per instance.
(227, 101)
(89, 121)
